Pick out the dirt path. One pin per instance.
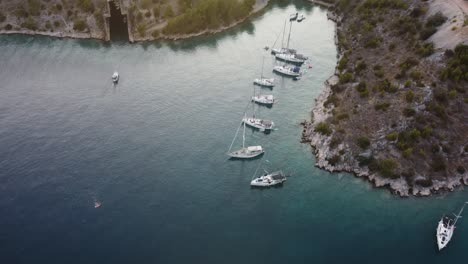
(453, 31)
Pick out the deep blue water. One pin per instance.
(152, 150)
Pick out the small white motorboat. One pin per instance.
(269, 179)
(288, 70)
(301, 18)
(265, 99)
(445, 229)
(265, 82)
(258, 123)
(115, 77)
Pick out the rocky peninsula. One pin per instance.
(395, 110)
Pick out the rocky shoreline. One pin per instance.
(339, 159)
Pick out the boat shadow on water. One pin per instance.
(249, 159)
(277, 186)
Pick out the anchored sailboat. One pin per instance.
(245, 152)
(263, 99)
(261, 124)
(446, 228)
(266, 82)
(288, 56)
(288, 70)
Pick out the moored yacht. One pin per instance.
(445, 229)
(269, 179)
(262, 124)
(265, 99)
(245, 152)
(265, 82)
(288, 70)
(293, 58)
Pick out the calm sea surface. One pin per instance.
(152, 150)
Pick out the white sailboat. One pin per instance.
(288, 70)
(245, 152)
(264, 99)
(446, 228)
(288, 56)
(262, 81)
(262, 124)
(269, 179)
(275, 51)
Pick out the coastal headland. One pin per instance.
(395, 110)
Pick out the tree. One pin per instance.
(169, 12)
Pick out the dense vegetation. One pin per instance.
(209, 14)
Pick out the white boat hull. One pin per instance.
(286, 71)
(444, 234)
(289, 58)
(263, 125)
(247, 153)
(268, 180)
(265, 82)
(264, 99)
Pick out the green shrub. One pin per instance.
(363, 142)
(436, 20)
(382, 106)
(409, 112)
(323, 129)
(79, 25)
(409, 96)
(392, 136)
(387, 168)
(407, 152)
(155, 34)
(362, 89)
(29, 23)
(346, 77)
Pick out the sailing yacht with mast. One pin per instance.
(261, 124)
(264, 99)
(446, 228)
(245, 152)
(266, 82)
(288, 70)
(275, 51)
(288, 56)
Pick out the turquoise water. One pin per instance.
(152, 150)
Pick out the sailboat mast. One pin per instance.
(261, 76)
(284, 30)
(243, 137)
(289, 36)
(459, 213)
